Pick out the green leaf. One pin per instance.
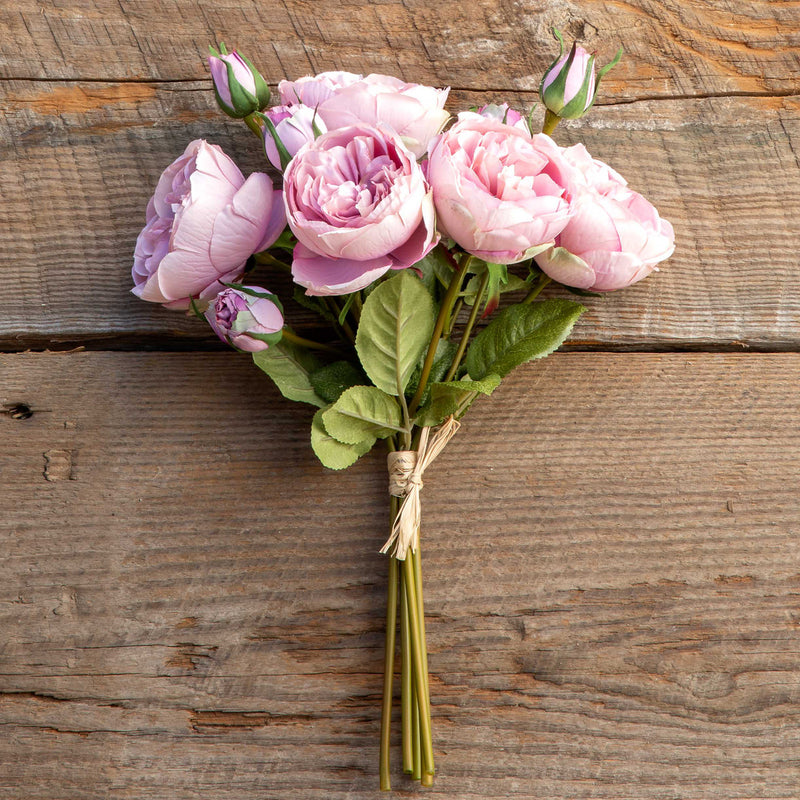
(395, 329)
(521, 333)
(331, 380)
(331, 452)
(290, 366)
(454, 398)
(363, 413)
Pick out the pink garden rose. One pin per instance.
(614, 238)
(312, 90)
(359, 205)
(294, 126)
(414, 112)
(499, 193)
(505, 114)
(203, 222)
(249, 318)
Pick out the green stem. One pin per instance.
(416, 749)
(448, 301)
(407, 699)
(454, 317)
(473, 316)
(551, 120)
(417, 564)
(252, 123)
(308, 343)
(356, 307)
(536, 291)
(420, 670)
(388, 669)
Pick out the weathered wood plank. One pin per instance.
(674, 47)
(80, 160)
(192, 607)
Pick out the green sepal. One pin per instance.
(361, 413)
(283, 153)
(346, 307)
(331, 452)
(454, 398)
(553, 95)
(290, 366)
(315, 129)
(332, 380)
(521, 333)
(580, 104)
(242, 101)
(269, 338)
(193, 307)
(263, 93)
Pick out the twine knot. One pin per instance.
(405, 480)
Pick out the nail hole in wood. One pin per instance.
(18, 410)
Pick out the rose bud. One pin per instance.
(248, 318)
(293, 126)
(238, 86)
(499, 193)
(203, 222)
(359, 205)
(569, 85)
(614, 238)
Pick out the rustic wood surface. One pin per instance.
(191, 607)
(612, 607)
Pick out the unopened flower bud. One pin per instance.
(569, 85)
(246, 317)
(292, 126)
(238, 85)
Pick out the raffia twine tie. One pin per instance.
(406, 468)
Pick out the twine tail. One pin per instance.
(406, 468)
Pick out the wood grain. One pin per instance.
(193, 607)
(88, 157)
(674, 47)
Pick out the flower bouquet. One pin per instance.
(424, 243)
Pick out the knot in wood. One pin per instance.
(401, 466)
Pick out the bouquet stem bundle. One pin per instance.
(402, 229)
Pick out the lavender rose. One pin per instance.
(249, 318)
(203, 222)
(500, 194)
(614, 238)
(359, 205)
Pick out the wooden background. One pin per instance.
(191, 607)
